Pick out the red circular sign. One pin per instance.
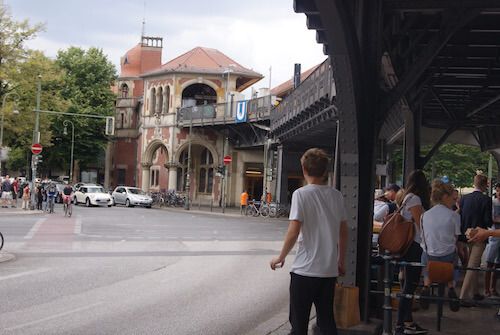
(228, 159)
(36, 148)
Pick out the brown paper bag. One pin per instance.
(346, 306)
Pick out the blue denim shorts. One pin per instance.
(493, 250)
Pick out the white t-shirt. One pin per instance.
(412, 200)
(441, 228)
(380, 210)
(320, 209)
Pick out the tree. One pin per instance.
(88, 78)
(13, 34)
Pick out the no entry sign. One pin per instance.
(227, 160)
(36, 148)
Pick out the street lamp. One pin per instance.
(65, 123)
(15, 111)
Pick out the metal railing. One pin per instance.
(223, 113)
(315, 88)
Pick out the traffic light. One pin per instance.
(37, 159)
(221, 169)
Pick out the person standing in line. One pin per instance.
(318, 221)
(416, 199)
(6, 193)
(15, 189)
(243, 202)
(475, 211)
(39, 198)
(492, 250)
(440, 231)
(26, 197)
(390, 193)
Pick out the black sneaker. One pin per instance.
(425, 293)
(455, 303)
(399, 330)
(414, 329)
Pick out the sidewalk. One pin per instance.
(18, 211)
(228, 211)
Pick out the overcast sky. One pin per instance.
(255, 33)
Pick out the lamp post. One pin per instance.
(65, 124)
(3, 117)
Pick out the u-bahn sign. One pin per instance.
(36, 148)
(241, 111)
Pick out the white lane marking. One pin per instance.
(26, 273)
(55, 316)
(34, 229)
(78, 225)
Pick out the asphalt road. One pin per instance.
(141, 271)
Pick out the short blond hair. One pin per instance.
(315, 162)
(439, 190)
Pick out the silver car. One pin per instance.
(131, 196)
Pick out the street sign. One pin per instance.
(241, 112)
(227, 160)
(36, 148)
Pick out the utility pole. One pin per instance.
(188, 176)
(36, 139)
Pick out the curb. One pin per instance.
(5, 257)
(21, 212)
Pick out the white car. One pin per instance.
(131, 196)
(92, 196)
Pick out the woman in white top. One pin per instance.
(415, 201)
(440, 230)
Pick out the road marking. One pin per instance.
(34, 229)
(78, 225)
(55, 316)
(26, 273)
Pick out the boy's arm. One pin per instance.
(290, 239)
(343, 237)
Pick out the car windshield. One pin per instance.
(95, 190)
(136, 191)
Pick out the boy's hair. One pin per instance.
(439, 190)
(315, 162)
(480, 181)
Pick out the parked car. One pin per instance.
(131, 196)
(92, 195)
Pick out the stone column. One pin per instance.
(172, 176)
(146, 175)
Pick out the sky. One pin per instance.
(257, 34)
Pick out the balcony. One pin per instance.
(258, 109)
(309, 101)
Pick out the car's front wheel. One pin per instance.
(127, 203)
(87, 202)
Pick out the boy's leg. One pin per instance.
(323, 302)
(300, 304)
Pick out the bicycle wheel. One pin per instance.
(273, 212)
(264, 211)
(254, 211)
(1, 241)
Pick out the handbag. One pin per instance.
(397, 233)
(439, 272)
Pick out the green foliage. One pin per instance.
(457, 161)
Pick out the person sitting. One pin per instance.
(440, 231)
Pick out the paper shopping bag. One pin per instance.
(346, 306)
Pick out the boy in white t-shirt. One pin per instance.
(318, 221)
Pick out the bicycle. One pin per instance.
(253, 210)
(1, 241)
(68, 208)
(51, 199)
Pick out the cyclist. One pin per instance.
(51, 195)
(67, 195)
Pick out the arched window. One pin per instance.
(182, 171)
(152, 101)
(160, 101)
(124, 90)
(206, 173)
(167, 100)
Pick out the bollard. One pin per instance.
(387, 325)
